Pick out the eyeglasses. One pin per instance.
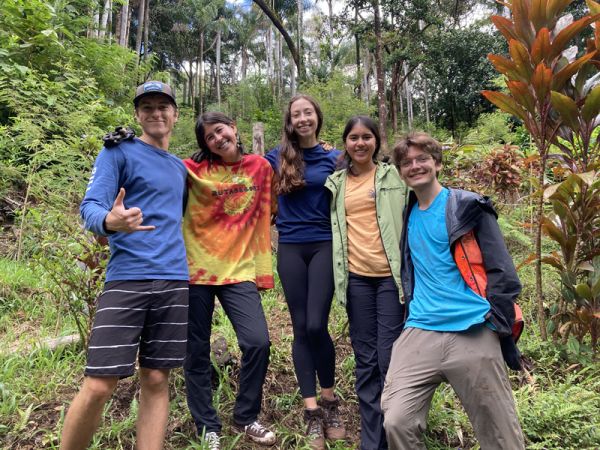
(420, 160)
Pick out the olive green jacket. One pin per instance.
(390, 197)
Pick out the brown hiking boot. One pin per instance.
(332, 422)
(314, 428)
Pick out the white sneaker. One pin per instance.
(257, 433)
(212, 440)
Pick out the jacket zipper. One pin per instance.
(380, 235)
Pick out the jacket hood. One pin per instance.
(467, 208)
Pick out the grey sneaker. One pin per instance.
(256, 432)
(212, 440)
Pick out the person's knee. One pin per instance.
(316, 333)
(99, 390)
(154, 380)
(398, 420)
(258, 343)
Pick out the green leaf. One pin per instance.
(591, 107)
(596, 289)
(550, 190)
(552, 231)
(567, 108)
(560, 209)
(567, 294)
(584, 291)
(573, 345)
(568, 279)
(550, 326)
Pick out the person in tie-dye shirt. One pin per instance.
(227, 236)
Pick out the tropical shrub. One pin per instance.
(550, 89)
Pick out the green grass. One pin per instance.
(559, 406)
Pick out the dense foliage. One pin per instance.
(67, 73)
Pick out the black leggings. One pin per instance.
(306, 273)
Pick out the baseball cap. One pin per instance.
(153, 87)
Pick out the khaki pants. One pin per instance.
(472, 363)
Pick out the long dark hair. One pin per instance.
(373, 128)
(211, 118)
(291, 163)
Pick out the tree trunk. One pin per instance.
(201, 75)
(357, 48)
(269, 50)
(538, 250)
(128, 30)
(146, 28)
(279, 25)
(123, 24)
(279, 67)
(140, 29)
(330, 33)
(244, 68)
(109, 26)
(366, 81)
(426, 97)
(104, 19)
(258, 138)
(401, 106)
(190, 74)
(95, 25)
(409, 103)
(380, 77)
(293, 79)
(218, 68)
(300, 6)
(394, 94)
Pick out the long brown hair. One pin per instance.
(291, 162)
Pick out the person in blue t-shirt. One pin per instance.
(452, 332)
(136, 196)
(304, 260)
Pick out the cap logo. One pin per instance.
(153, 86)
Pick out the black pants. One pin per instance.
(376, 317)
(243, 307)
(306, 273)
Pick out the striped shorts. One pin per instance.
(150, 316)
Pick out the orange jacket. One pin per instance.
(469, 261)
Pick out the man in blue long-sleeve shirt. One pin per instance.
(135, 196)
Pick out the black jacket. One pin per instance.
(466, 211)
